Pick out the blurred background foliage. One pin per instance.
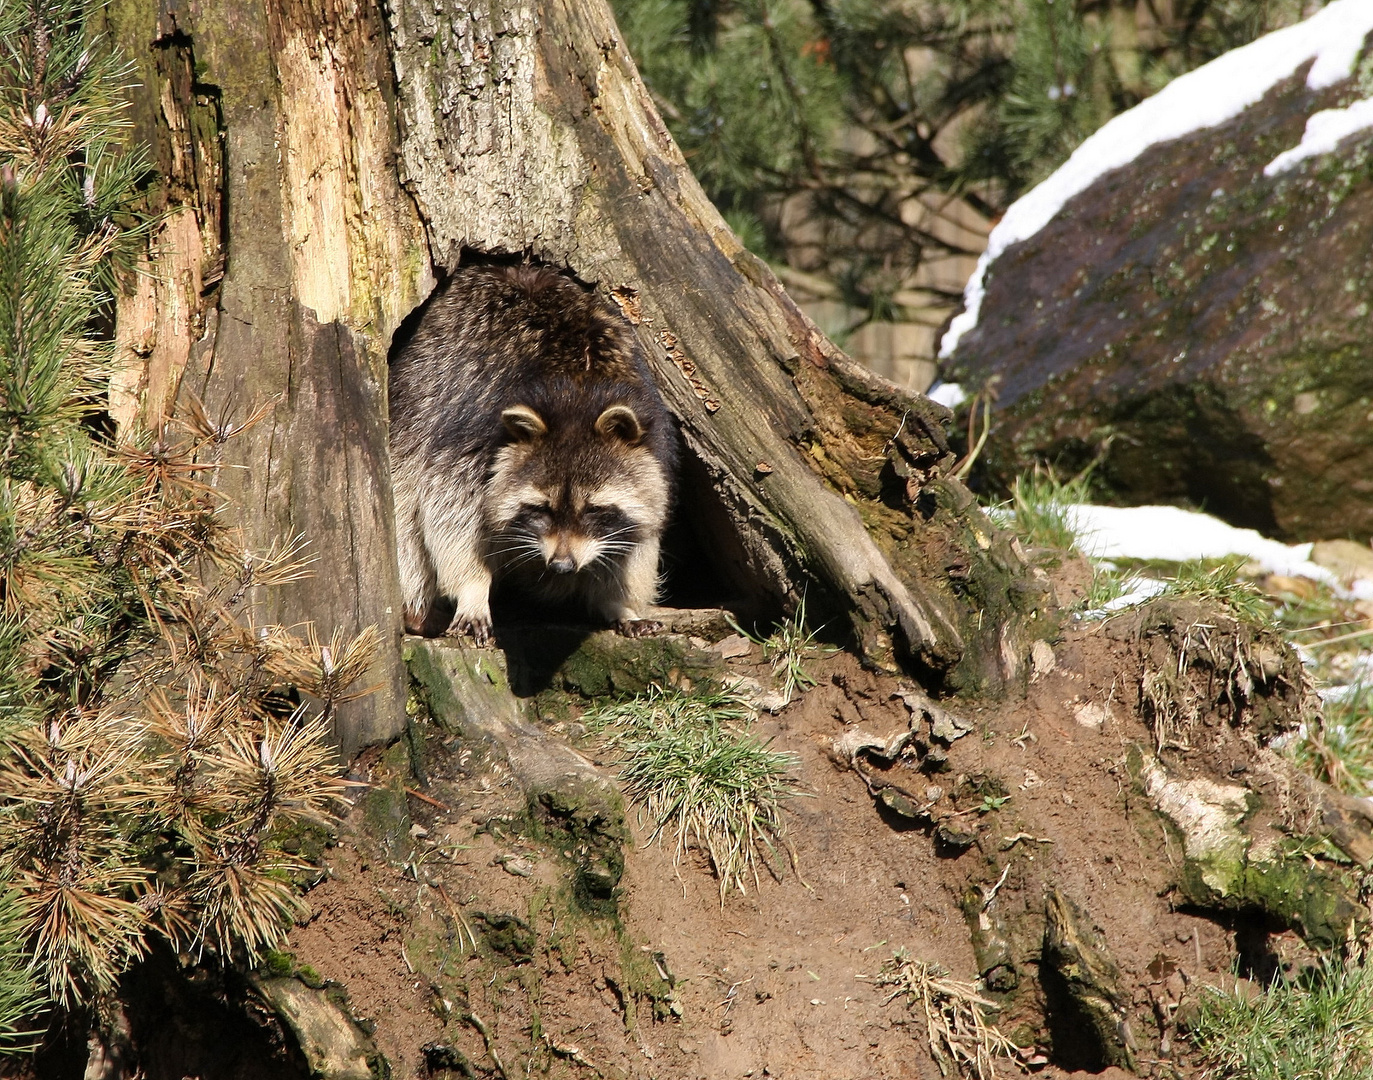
(865, 147)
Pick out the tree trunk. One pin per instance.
(298, 233)
(525, 128)
(287, 255)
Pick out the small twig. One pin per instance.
(463, 924)
(475, 1021)
(991, 893)
(1337, 639)
(571, 1053)
(1011, 841)
(965, 466)
(426, 799)
(409, 791)
(899, 428)
(1329, 626)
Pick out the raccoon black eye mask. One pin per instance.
(528, 446)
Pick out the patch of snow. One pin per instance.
(1137, 590)
(1202, 98)
(1288, 738)
(1171, 534)
(1324, 131)
(948, 394)
(1348, 690)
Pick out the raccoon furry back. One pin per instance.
(530, 448)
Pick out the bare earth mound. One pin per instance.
(1030, 845)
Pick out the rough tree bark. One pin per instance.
(286, 257)
(318, 162)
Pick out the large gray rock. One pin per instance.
(1207, 323)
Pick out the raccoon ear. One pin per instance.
(523, 423)
(619, 422)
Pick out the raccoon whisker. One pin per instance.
(515, 558)
(627, 530)
(524, 545)
(518, 536)
(606, 559)
(518, 539)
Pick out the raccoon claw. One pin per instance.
(637, 628)
(478, 629)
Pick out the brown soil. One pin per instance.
(780, 982)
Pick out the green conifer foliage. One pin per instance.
(154, 741)
(767, 58)
(826, 118)
(19, 993)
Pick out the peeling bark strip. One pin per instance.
(166, 310)
(289, 256)
(526, 129)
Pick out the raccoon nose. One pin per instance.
(562, 564)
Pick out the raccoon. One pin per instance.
(530, 449)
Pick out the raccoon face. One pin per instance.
(578, 501)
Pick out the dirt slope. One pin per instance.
(782, 982)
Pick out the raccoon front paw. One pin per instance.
(477, 627)
(637, 628)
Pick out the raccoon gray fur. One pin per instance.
(528, 447)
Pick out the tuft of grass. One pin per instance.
(690, 764)
(1220, 583)
(669, 708)
(787, 649)
(955, 1015)
(1038, 510)
(1338, 747)
(1316, 1027)
(1107, 584)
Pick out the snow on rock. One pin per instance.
(1171, 534)
(1205, 97)
(949, 394)
(1324, 131)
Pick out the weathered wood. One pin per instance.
(286, 259)
(527, 130)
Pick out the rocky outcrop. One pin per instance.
(1200, 316)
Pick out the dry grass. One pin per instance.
(955, 1017)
